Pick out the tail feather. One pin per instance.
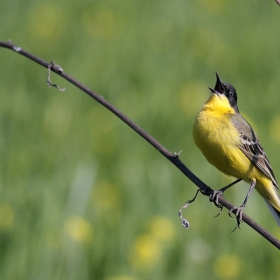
(274, 212)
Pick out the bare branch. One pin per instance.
(174, 158)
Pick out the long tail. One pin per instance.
(274, 212)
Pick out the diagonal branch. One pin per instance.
(174, 158)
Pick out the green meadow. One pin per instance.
(82, 196)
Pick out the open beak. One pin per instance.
(219, 87)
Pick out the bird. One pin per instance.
(229, 143)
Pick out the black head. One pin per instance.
(228, 90)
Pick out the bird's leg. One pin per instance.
(240, 209)
(214, 197)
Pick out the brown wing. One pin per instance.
(252, 148)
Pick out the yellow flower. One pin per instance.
(106, 198)
(46, 22)
(162, 229)
(79, 229)
(7, 216)
(145, 253)
(227, 266)
(101, 23)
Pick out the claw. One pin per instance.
(220, 212)
(238, 215)
(214, 197)
(239, 210)
(237, 226)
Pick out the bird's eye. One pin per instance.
(230, 93)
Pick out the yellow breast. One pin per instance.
(217, 138)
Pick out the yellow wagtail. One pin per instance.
(228, 142)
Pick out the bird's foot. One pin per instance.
(238, 214)
(214, 197)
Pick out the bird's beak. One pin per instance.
(219, 87)
(212, 90)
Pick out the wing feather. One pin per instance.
(252, 148)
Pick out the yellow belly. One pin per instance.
(215, 135)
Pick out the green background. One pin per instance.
(82, 196)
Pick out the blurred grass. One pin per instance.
(84, 197)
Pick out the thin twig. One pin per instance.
(185, 222)
(49, 82)
(174, 158)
